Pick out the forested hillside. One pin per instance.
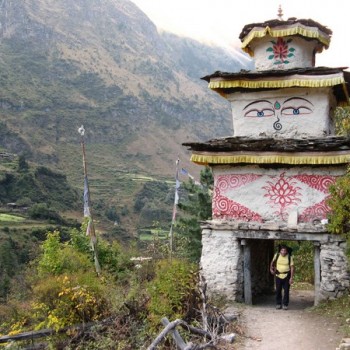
(103, 64)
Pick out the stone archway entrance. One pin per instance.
(257, 279)
(235, 259)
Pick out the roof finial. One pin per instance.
(280, 13)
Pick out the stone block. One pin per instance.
(228, 338)
(328, 287)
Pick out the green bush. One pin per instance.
(153, 192)
(115, 259)
(304, 262)
(339, 202)
(111, 214)
(58, 258)
(152, 212)
(173, 292)
(43, 212)
(69, 299)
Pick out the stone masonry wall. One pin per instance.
(335, 277)
(221, 264)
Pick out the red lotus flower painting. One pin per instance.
(282, 194)
(281, 51)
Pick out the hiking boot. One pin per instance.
(285, 307)
(278, 306)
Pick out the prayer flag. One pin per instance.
(90, 229)
(86, 198)
(184, 171)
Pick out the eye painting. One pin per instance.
(259, 109)
(259, 113)
(290, 111)
(293, 106)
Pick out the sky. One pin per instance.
(221, 21)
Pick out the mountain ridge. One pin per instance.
(103, 64)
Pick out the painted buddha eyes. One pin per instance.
(267, 112)
(302, 110)
(295, 106)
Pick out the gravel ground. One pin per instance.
(266, 328)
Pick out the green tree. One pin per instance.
(58, 258)
(195, 207)
(22, 163)
(41, 211)
(339, 202)
(342, 120)
(8, 266)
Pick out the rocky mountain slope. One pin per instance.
(103, 64)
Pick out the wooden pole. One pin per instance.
(247, 272)
(317, 272)
(170, 326)
(91, 226)
(176, 199)
(175, 334)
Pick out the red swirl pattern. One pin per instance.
(224, 208)
(318, 211)
(282, 192)
(225, 182)
(318, 182)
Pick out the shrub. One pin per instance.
(304, 262)
(172, 291)
(153, 192)
(42, 211)
(22, 163)
(69, 299)
(58, 258)
(114, 259)
(339, 203)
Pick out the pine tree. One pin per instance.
(195, 207)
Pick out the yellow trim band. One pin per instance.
(272, 158)
(301, 81)
(298, 29)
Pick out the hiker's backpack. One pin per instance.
(289, 252)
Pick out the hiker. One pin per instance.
(282, 266)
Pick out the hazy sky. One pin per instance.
(221, 21)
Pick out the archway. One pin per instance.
(257, 279)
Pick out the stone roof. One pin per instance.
(237, 144)
(278, 23)
(244, 74)
(248, 81)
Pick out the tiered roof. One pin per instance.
(338, 78)
(306, 28)
(233, 150)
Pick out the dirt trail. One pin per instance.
(269, 329)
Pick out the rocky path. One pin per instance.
(269, 329)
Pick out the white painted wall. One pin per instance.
(251, 193)
(314, 105)
(299, 53)
(221, 264)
